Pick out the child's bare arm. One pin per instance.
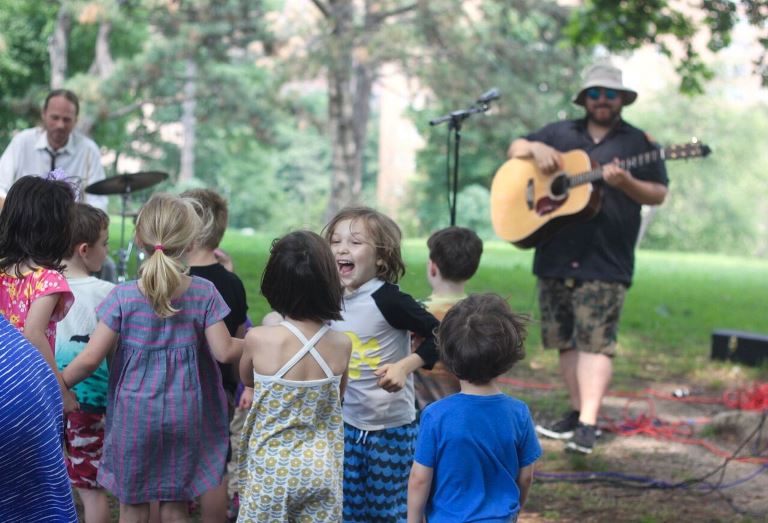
(246, 361)
(246, 398)
(38, 317)
(224, 347)
(392, 376)
(524, 481)
(347, 347)
(35, 324)
(419, 485)
(343, 384)
(100, 343)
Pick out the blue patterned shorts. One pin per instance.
(376, 468)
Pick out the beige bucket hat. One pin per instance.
(605, 75)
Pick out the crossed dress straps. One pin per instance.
(309, 347)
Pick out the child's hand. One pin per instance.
(70, 401)
(391, 376)
(225, 259)
(246, 398)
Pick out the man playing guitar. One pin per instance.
(584, 269)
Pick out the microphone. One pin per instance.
(489, 96)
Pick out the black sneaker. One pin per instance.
(562, 429)
(583, 439)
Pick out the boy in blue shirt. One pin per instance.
(476, 449)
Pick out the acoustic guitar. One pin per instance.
(528, 206)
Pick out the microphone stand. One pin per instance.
(455, 119)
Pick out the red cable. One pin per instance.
(755, 398)
(648, 424)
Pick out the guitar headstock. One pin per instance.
(694, 149)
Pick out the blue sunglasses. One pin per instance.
(593, 93)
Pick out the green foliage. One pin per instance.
(514, 46)
(714, 204)
(675, 303)
(629, 24)
(24, 28)
(262, 136)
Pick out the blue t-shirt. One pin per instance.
(476, 446)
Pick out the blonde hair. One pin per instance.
(165, 227)
(385, 236)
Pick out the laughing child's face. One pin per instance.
(354, 252)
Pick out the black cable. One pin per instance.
(627, 481)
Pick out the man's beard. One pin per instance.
(612, 117)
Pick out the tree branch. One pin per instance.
(377, 18)
(322, 8)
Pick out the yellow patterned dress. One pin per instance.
(292, 451)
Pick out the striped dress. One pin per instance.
(33, 478)
(166, 433)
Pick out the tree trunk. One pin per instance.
(351, 73)
(348, 116)
(189, 122)
(57, 47)
(103, 65)
(345, 157)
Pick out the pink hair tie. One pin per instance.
(159, 247)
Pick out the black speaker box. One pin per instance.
(748, 348)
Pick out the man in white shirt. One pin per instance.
(56, 144)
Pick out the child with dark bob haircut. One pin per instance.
(35, 236)
(292, 449)
(300, 280)
(476, 449)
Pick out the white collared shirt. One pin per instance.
(28, 153)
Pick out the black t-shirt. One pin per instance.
(602, 248)
(232, 290)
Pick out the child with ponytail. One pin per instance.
(166, 429)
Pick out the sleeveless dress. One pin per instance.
(292, 451)
(33, 477)
(166, 433)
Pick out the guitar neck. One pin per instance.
(627, 163)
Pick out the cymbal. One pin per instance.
(126, 183)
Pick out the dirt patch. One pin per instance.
(599, 487)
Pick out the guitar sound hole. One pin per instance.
(559, 187)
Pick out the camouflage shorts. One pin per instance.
(582, 315)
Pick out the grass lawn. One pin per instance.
(675, 303)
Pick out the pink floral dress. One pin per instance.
(17, 294)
